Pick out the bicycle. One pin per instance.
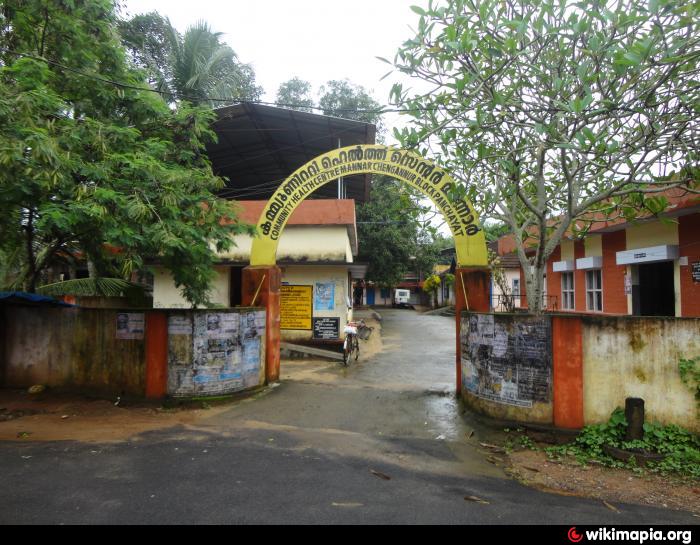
(353, 332)
(351, 344)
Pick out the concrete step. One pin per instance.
(442, 311)
(311, 351)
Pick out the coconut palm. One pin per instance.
(196, 66)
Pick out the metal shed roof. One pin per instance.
(259, 146)
(29, 299)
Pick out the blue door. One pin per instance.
(370, 296)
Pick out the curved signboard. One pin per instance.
(407, 166)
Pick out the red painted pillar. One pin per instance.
(156, 354)
(471, 294)
(261, 288)
(567, 362)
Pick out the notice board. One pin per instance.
(326, 328)
(295, 307)
(695, 271)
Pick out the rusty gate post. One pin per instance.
(567, 371)
(471, 294)
(156, 354)
(634, 414)
(261, 288)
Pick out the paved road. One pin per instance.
(312, 450)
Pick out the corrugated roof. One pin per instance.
(30, 299)
(259, 146)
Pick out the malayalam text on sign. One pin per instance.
(295, 307)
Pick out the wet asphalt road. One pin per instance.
(313, 450)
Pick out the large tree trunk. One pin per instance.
(534, 280)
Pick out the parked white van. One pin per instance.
(401, 297)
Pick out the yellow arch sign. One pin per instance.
(403, 165)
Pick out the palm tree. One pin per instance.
(195, 66)
(202, 66)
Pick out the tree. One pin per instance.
(392, 234)
(431, 287)
(394, 237)
(196, 66)
(148, 40)
(552, 113)
(341, 98)
(296, 95)
(94, 165)
(494, 230)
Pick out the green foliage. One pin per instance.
(106, 173)
(147, 38)
(494, 230)
(296, 95)
(341, 98)
(92, 287)
(337, 98)
(432, 284)
(526, 442)
(548, 111)
(690, 375)
(681, 446)
(517, 440)
(195, 66)
(392, 236)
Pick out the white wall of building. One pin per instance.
(510, 276)
(166, 295)
(310, 275)
(301, 243)
(298, 243)
(655, 234)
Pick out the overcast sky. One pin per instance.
(314, 40)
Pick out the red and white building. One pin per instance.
(647, 268)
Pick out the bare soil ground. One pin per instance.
(606, 484)
(301, 369)
(56, 416)
(53, 416)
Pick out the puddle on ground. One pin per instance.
(443, 416)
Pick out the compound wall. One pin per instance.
(149, 353)
(571, 370)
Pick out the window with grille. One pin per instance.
(567, 291)
(594, 290)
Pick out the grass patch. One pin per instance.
(682, 447)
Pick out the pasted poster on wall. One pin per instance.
(324, 296)
(180, 354)
(253, 332)
(130, 325)
(214, 352)
(179, 324)
(507, 359)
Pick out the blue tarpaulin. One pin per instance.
(25, 298)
